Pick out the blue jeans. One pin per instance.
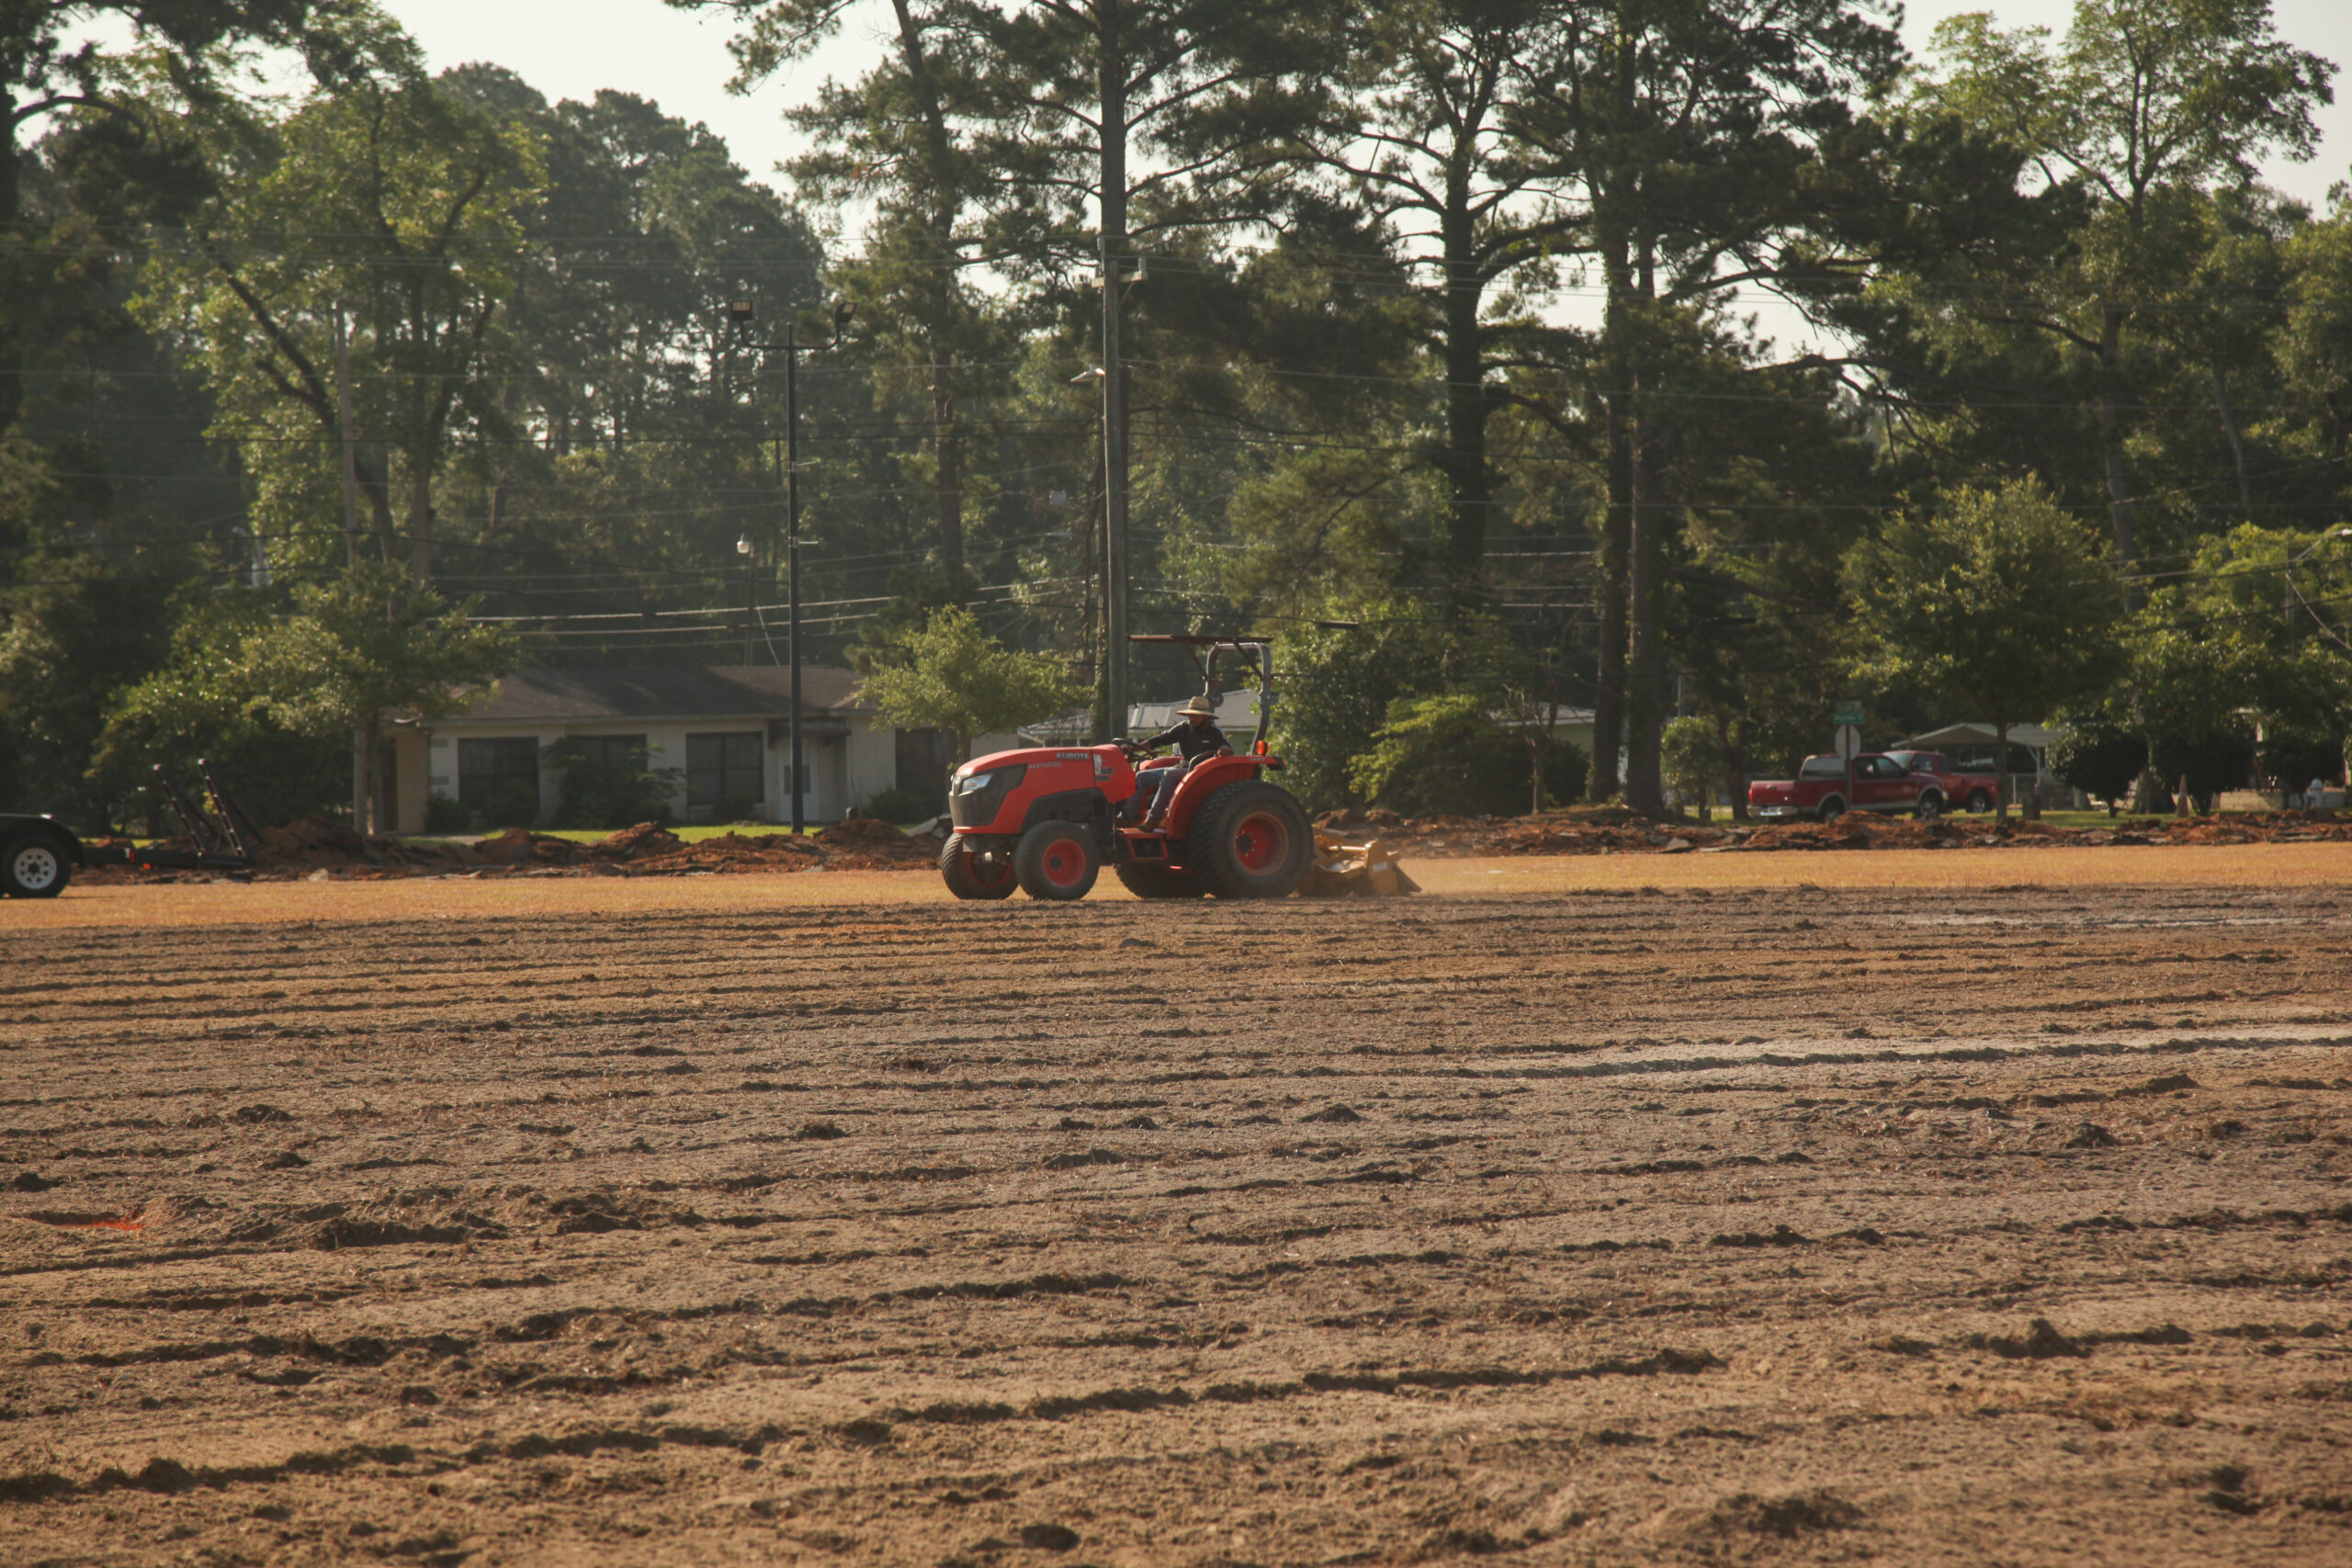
(1154, 785)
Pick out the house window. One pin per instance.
(612, 753)
(726, 768)
(500, 779)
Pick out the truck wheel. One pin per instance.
(1249, 840)
(1831, 808)
(1980, 800)
(968, 876)
(1156, 880)
(1931, 806)
(1056, 862)
(35, 865)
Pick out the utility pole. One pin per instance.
(792, 550)
(1114, 497)
(360, 791)
(742, 311)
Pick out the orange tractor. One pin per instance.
(1047, 819)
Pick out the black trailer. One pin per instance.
(38, 854)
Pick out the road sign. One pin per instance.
(1846, 714)
(1849, 741)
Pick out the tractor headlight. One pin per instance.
(972, 783)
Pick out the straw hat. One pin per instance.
(1201, 705)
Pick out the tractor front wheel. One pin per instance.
(1249, 840)
(1057, 861)
(969, 876)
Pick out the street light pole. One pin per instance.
(1115, 498)
(742, 310)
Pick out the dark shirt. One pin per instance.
(1193, 742)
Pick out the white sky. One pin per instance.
(567, 48)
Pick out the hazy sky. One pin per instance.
(567, 48)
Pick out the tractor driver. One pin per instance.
(1196, 738)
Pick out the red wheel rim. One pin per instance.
(987, 874)
(1064, 864)
(1261, 841)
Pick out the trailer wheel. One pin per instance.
(1249, 840)
(1156, 880)
(35, 865)
(1056, 862)
(968, 876)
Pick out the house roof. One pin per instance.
(684, 690)
(2033, 737)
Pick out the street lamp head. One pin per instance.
(842, 311)
(1085, 376)
(743, 544)
(741, 312)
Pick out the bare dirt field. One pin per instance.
(1626, 1216)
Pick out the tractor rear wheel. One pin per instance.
(1156, 880)
(968, 876)
(1057, 861)
(1249, 840)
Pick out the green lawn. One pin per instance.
(690, 834)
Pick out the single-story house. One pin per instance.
(727, 729)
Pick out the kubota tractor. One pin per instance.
(1047, 819)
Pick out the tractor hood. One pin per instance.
(1041, 767)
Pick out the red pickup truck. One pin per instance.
(1922, 783)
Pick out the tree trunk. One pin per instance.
(1468, 484)
(949, 477)
(1616, 536)
(1616, 542)
(1646, 652)
(2000, 770)
(12, 329)
(2237, 443)
(1735, 768)
(419, 517)
(2110, 432)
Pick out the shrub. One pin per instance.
(2098, 760)
(1448, 756)
(1693, 762)
(594, 796)
(514, 805)
(726, 808)
(898, 806)
(2294, 760)
(443, 814)
(2213, 762)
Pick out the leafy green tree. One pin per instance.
(350, 655)
(1700, 142)
(1693, 761)
(1449, 756)
(406, 205)
(2254, 632)
(46, 69)
(1427, 137)
(2100, 759)
(954, 676)
(1996, 599)
(2143, 106)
